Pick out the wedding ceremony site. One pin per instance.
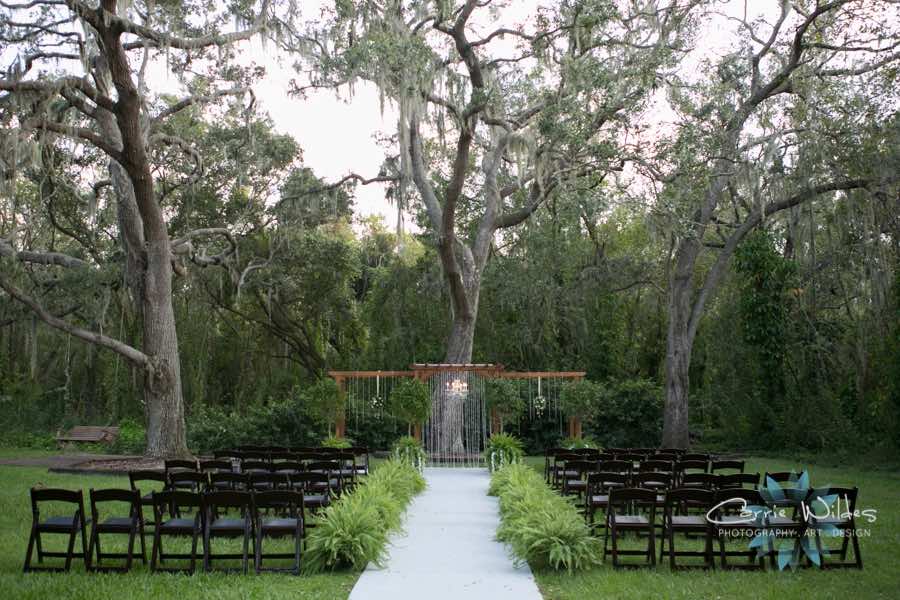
(449, 299)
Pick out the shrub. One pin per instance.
(132, 438)
(336, 442)
(325, 399)
(354, 530)
(409, 450)
(503, 449)
(578, 398)
(629, 414)
(543, 528)
(410, 401)
(502, 396)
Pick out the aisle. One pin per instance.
(448, 551)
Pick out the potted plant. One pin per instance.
(410, 401)
(578, 400)
(327, 401)
(503, 399)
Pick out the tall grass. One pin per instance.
(355, 529)
(543, 528)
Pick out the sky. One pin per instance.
(337, 133)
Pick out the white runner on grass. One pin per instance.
(448, 550)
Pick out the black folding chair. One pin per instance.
(57, 525)
(726, 465)
(737, 480)
(288, 522)
(676, 520)
(146, 491)
(833, 510)
(218, 465)
(132, 526)
(175, 500)
(599, 485)
(316, 488)
(621, 517)
(361, 452)
(729, 524)
(218, 524)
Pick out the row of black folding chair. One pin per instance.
(634, 509)
(574, 472)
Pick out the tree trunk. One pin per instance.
(678, 361)
(459, 344)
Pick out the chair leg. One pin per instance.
(246, 549)
(40, 548)
(70, 551)
(86, 557)
(97, 545)
(298, 541)
(130, 554)
(194, 537)
(856, 554)
(615, 546)
(154, 552)
(92, 544)
(671, 548)
(30, 550)
(651, 545)
(143, 543)
(206, 550)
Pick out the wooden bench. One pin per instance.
(89, 433)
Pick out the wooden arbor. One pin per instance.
(425, 371)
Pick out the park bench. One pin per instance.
(89, 433)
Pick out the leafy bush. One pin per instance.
(132, 438)
(579, 398)
(579, 443)
(410, 401)
(354, 530)
(409, 450)
(502, 396)
(629, 413)
(336, 442)
(543, 528)
(503, 449)
(325, 399)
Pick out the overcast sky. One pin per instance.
(337, 134)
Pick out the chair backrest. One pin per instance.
(582, 466)
(644, 451)
(566, 457)
(734, 499)
(288, 502)
(265, 481)
(662, 466)
(698, 480)
(584, 451)
(225, 499)
(675, 451)
(323, 465)
(260, 455)
(303, 449)
(217, 465)
(177, 463)
(39, 495)
(288, 466)
(227, 454)
(306, 479)
(174, 500)
(630, 456)
(282, 455)
(601, 481)
(637, 497)
(132, 497)
(656, 480)
(329, 450)
(616, 466)
(737, 480)
(698, 465)
(701, 456)
(835, 501)
(194, 479)
(665, 456)
(145, 475)
(255, 466)
(726, 465)
(693, 497)
(233, 481)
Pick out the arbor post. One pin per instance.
(340, 422)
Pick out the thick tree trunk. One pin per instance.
(678, 361)
(460, 341)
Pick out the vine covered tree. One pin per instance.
(80, 88)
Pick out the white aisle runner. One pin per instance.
(448, 551)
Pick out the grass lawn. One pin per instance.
(15, 523)
(881, 556)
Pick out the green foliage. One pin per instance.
(336, 442)
(502, 396)
(628, 413)
(503, 449)
(579, 398)
(410, 401)
(354, 530)
(409, 450)
(543, 528)
(132, 438)
(579, 443)
(325, 399)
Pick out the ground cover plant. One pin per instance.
(879, 489)
(356, 528)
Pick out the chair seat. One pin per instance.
(631, 520)
(735, 521)
(601, 499)
(688, 521)
(64, 524)
(115, 524)
(228, 525)
(179, 525)
(284, 524)
(776, 521)
(576, 485)
(315, 499)
(836, 521)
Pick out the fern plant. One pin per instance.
(409, 450)
(503, 449)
